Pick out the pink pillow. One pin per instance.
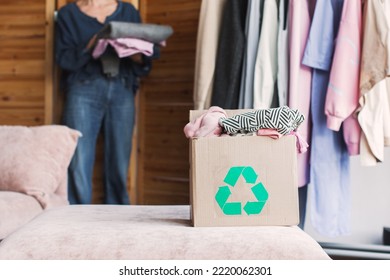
(34, 161)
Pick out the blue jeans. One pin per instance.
(90, 106)
(302, 195)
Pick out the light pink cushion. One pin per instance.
(138, 232)
(34, 161)
(16, 209)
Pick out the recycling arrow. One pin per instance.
(228, 208)
(258, 190)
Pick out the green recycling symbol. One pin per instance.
(235, 208)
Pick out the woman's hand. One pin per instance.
(137, 58)
(91, 42)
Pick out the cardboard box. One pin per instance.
(243, 180)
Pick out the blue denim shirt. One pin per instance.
(74, 30)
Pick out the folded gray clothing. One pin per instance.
(283, 119)
(153, 33)
(110, 64)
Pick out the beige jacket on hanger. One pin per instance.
(210, 19)
(374, 112)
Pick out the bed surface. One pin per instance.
(112, 232)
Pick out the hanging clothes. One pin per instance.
(209, 26)
(373, 114)
(375, 122)
(282, 72)
(300, 13)
(252, 33)
(375, 51)
(266, 66)
(342, 97)
(231, 45)
(330, 190)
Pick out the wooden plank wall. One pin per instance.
(23, 62)
(165, 101)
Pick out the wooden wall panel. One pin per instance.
(165, 101)
(22, 48)
(23, 62)
(22, 116)
(14, 94)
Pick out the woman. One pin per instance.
(97, 100)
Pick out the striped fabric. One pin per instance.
(283, 119)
